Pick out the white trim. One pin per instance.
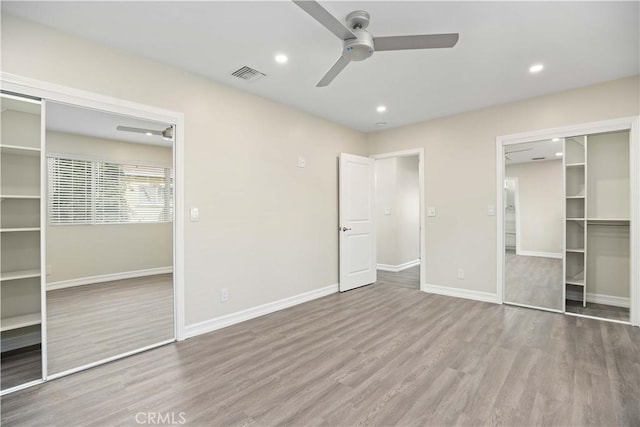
(586, 316)
(423, 230)
(20, 387)
(535, 307)
(399, 267)
(554, 255)
(43, 239)
(461, 293)
(631, 123)
(108, 359)
(22, 340)
(261, 310)
(600, 299)
(91, 280)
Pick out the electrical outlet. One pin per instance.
(194, 214)
(302, 163)
(224, 295)
(461, 273)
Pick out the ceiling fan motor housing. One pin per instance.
(359, 48)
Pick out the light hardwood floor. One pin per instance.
(378, 355)
(534, 281)
(89, 323)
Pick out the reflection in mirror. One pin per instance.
(20, 276)
(533, 224)
(109, 235)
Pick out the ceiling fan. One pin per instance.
(506, 153)
(165, 134)
(359, 44)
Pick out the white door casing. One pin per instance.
(357, 222)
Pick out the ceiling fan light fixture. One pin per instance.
(281, 58)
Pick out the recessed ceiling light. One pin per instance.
(555, 140)
(381, 109)
(559, 154)
(536, 68)
(381, 124)
(281, 59)
(148, 133)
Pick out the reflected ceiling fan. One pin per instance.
(359, 44)
(166, 134)
(506, 153)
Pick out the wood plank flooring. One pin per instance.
(409, 278)
(599, 310)
(89, 323)
(378, 355)
(20, 366)
(534, 281)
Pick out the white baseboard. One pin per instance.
(541, 254)
(600, 299)
(22, 340)
(108, 278)
(261, 310)
(461, 293)
(399, 267)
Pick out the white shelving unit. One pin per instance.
(597, 247)
(575, 161)
(20, 223)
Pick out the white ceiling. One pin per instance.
(580, 43)
(99, 124)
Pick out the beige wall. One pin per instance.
(79, 251)
(267, 228)
(460, 171)
(541, 197)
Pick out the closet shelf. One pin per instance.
(18, 322)
(20, 150)
(575, 197)
(575, 219)
(575, 165)
(22, 274)
(577, 279)
(18, 229)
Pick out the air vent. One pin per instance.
(538, 158)
(248, 73)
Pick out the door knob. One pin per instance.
(345, 229)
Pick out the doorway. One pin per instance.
(398, 210)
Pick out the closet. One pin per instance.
(20, 234)
(597, 230)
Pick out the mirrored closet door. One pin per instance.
(533, 224)
(20, 246)
(109, 228)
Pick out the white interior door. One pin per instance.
(357, 222)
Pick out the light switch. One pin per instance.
(387, 211)
(491, 211)
(302, 163)
(195, 214)
(431, 211)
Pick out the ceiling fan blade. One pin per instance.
(329, 21)
(333, 72)
(425, 41)
(518, 151)
(139, 130)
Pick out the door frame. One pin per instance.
(409, 153)
(76, 97)
(631, 123)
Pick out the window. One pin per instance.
(95, 192)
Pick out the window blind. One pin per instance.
(96, 192)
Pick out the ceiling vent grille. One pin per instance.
(248, 74)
